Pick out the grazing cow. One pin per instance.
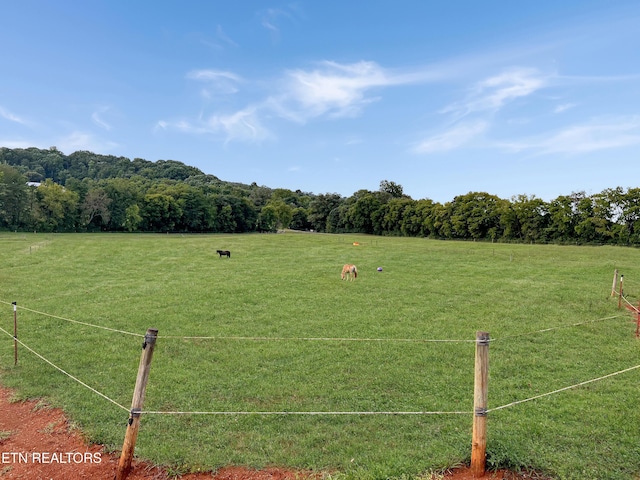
(224, 253)
(349, 272)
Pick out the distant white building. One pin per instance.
(33, 184)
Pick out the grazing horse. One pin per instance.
(349, 272)
(224, 253)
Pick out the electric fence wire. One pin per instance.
(315, 339)
(586, 382)
(75, 321)
(63, 371)
(356, 413)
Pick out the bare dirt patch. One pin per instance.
(38, 443)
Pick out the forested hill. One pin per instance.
(47, 191)
(38, 165)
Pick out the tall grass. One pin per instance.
(290, 336)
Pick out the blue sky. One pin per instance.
(442, 97)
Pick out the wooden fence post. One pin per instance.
(480, 397)
(615, 283)
(129, 445)
(15, 333)
(638, 321)
(621, 293)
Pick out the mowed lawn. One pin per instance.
(274, 329)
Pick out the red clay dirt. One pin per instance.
(38, 443)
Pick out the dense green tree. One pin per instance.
(393, 189)
(278, 211)
(562, 220)
(160, 212)
(476, 215)
(299, 220)
(268, 219)
(337, 220)
(319, 209)
(627, 212)
(13, 198)
(95, 209)
(85, 190)
(418, 220)
(123, 193)
(524, 218)
(393, 215)
(58, 208)
(132, 218)
(365, 213)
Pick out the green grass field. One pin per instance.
(290, 336)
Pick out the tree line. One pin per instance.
(48, 191)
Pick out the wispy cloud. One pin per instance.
(564, 107)
(220, 34)
(333, 89)
(79, 140)
(98, 119)
(579, 139)
(337, 90)
(455, 137)
(7, 115)
(472, 116)
(243, 126)
(217, 82)
(270, 18)
(495, 92)
(329, 89)
(18, 143)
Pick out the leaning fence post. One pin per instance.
(480, 396)
(615, 283)
(124, 465)
(15, 333)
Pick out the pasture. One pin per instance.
(272, 328)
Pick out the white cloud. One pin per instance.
(224, 37)
(216, 82)
(564, 107)
(7, 115)
(98, 120)
(495, 92)
(243, 125)
(455, 137)
(333, 89)
(330, 89)
(17, 143)
(270, 18)
(579, 139)
(83, 141)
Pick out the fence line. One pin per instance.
(319, 339)
(577, 324)
(300, 413)
(630, 305)
(315, 339)
(306, 413)
(586, 382)
(77, 321)
(512, 404)
(617, 290)
(65, 372)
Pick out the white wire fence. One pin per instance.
(313, 339)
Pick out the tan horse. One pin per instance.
(349, 272)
